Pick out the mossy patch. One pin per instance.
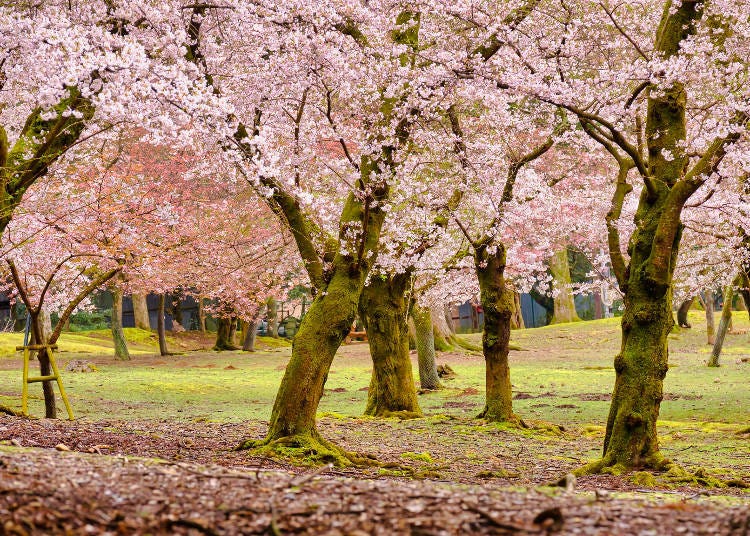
(418, 456)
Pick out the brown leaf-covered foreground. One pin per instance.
(114, 484)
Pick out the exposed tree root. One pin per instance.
(10, 411)
(659, 471)
(400, 414)
(309, 449)
(513, 419)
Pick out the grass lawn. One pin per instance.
(562, 375)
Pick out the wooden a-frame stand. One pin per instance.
(27, 349)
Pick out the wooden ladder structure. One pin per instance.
(27, 349)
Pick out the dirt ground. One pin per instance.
(177, 478)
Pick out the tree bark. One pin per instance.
(384, 310)
(160, 328)
(442, 333)
(706, 299)
(425, 342)
(682, 313)
(726, 319)
(39, 335)
(498, 305)
(248, 342)
(201, 315)
(272, 307)
(564, 303)
(223, 335)
(516, 321)
(121, 345)
(140, 311)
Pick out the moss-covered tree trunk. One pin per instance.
(384, 310)
(425, 343)
(140, 311)
(630, 439)
(118, 337)
(682, 312)
(498, 305)
(223, 335)
(726, 319)
(160, 327)
(564, 304)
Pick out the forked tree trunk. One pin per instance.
(564, 303)
(497, 303)
(384, 310)
(160, 328)
(425, 342)
(140, 311)
(118, 337)
(630, 439)
(682, 313)
(726, 319)
(707, 301)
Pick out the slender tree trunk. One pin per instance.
(707, 301)
(564, 303)
(682, 313)
(140, 311)
(121, 345)
(272, 307)
(160, 328)
(498, 305)
(726, 318)
(428, 376)
(384, 310)
(201, 315)
(517, 319)
(39, 335)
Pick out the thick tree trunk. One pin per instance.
(160, 328)
(121, 345)
(442, 332)
(726, 319)
(564, 304)
(630, 439)
(682, 313)
(425, 343)
(707, 301)
(384, 310)
(272, 307)
(233, 331)
(224, 334)
(140, 311)
(498, 305)
(248, 342)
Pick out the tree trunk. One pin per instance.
(175, 309)
(425, 342)
(726, 318)
(201, 315)
(160, 328)
(707, 301)
(384, 310)
(682, 313)
(442, 333)
(39, 335)
(140, 311)
(272, 307)
(516, 321)
(630, 439)
(121, 346)
(248, 342)
(498, 305)
(449, 319)
(223, 335)
(232, 332)
(564, 304)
